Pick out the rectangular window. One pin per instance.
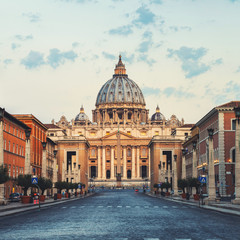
(17, 133)
(9, 170)
(5, 144)
(13, 148)
(9, 146)
(233, 124)
(13, 131)
(16, 149)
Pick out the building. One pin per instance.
(114, 148)
(12, 148)
(35, 144)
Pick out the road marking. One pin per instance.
(73, 207)
(174, 206)
(146, 206)
(100, 206)
(119, 206)
(64, 207)
(151, 238)
(128, 206)
(183, 239)
(156, 207)
(81, 206)
(165, 206)
(109, 206)
(137, 206)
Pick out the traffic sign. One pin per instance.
(203, 179)
(34, 180)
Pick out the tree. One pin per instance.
(44, 184)
(25, 181)
(194, 182)
(182, 183)
(60, 186)
(3, 174)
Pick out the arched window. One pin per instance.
(129, 174)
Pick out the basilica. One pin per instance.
(122, 145)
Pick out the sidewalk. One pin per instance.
(17, 207)
(222, 206)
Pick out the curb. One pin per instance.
(225, 209)
(14, 210)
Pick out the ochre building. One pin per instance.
(117, 142)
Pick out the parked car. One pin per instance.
(15, 197)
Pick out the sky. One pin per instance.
(55, 55)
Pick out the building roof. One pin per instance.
(120, 89)
(5, 114)
(187, 126)
(231, 104)
(50, 125)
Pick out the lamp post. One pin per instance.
(175, 186)
(211, 175)
(55, 168)
(237, 158)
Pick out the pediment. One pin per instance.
(113, 136)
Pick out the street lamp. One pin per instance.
(175, 186)
(194, 145)
(175, 157)
(44, 144)
(210, 132)
(237, 113)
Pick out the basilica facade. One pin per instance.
(122, 143)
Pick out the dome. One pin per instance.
(120, 89)
(157, 116)
(81, 116)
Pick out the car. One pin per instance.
(15, 197)
(136, 190)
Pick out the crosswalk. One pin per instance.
(154, 238)
(129, 207)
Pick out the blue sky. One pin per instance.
(56, 54)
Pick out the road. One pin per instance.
(121, 215)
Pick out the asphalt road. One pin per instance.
(121, 215)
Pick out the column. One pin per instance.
(183, 165)
(237, 164)
(124, 162)
(133, 162)
(112, 163)
(54, 171)
(211, 175)
(175, 177)
(103, 162)
(44, 160)
(194, 164)
(99, 163)
(138, 164)
(27, 167)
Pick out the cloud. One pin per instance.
(8, 61)
(123, 30)
(144, 58)
(56, 57)
(147, 43)
(148, 91)
(238, 70)
(109, 56)
(15, 45)
(33, 60)
(145, 16)
(23, 38)
(218, 61)
(127, 58)
(190, 59)
(176, 28)
(32, 17)
(79, 1)
(156, 1)
(178, 93)
(75, 44)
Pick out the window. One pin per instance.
(5, 144)
(129, 174)
(129, 152)
(129, 132)
(9, 146)
(9, 170)
(13, 148)
(156, 132)
(22, 152)
(16, 149)
(17, 133)
(233, 124)
(108, 174)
